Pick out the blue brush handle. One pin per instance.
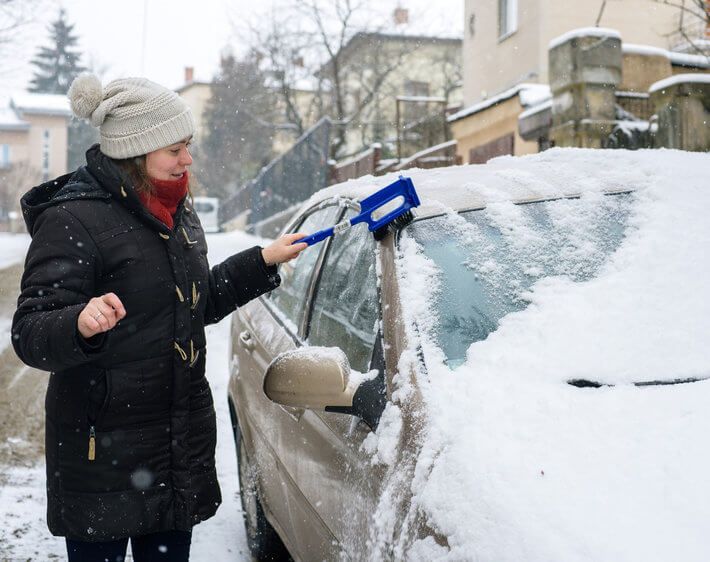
(316, 236)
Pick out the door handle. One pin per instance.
(246, 340)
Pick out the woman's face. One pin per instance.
(169, 163)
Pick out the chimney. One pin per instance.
(189, 74)
(400, 15)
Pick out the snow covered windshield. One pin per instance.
(487, 260)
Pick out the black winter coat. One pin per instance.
(138, 390)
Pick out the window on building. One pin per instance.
(416, 88)
(45, 155)
(507, 17)
(4, 155)
(415, 110)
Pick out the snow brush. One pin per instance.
(388, 208)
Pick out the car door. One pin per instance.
(334, 489)
(266, 327)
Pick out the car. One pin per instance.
(208, 210)
(520, 373)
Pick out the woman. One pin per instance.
(115, 297)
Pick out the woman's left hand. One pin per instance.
(283, 249)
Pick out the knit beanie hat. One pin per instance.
(134, 115)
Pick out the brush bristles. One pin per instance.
(396, 224)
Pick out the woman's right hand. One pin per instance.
(100, 315)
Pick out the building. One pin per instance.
(506, 66)
(33, 130)
(196, 93)
(416, 80)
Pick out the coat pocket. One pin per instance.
(140, 393)
(131, 459)
(99, 397)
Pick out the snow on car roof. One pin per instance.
(550, 174)
(515, 464)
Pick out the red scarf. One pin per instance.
(164, 202)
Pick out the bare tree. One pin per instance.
(17, 23)
(14, 181)
(311, 49)
(239, 127)
(693, 23)
(13, 14)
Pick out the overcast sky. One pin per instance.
(178, 34)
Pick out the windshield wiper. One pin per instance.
(586, 383)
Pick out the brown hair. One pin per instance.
(138, 173)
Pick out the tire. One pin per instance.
(263, 541)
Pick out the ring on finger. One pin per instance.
(96, 317)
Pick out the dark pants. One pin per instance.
(168, 546)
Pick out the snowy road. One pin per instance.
(23, 531)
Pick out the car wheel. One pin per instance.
(263, 541)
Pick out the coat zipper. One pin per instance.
(94, 418)
(92, 443)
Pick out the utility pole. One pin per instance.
(145, 34)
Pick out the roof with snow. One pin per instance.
(9, 121)
(377, 38)
(677, 59)
(192, 83)
(600, 32)
(551, 174)
(42, 104)
(529, 94)
(685, 59)
(695, 78)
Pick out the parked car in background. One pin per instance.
(208, 210)
(518, 374)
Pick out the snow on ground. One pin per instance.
(5, 325)
(13, 248)
(24, 534)
(223, 536)
(515, 464)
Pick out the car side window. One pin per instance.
(345, 306)
(290, 297)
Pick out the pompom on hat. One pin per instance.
(135, 116)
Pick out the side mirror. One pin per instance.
(311, 377)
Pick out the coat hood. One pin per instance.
(100, 178)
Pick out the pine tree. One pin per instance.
(58, 64)
(56, 67)
(239, 132)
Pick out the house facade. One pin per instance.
(33, 130)
(398, 81)
(507, 50)
(196, 94)
(505, 41)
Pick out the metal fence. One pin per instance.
(637, 103)
(289, 179)
(361, 164)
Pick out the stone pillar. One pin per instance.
(585, 70)
(682, 104)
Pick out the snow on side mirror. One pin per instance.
(310, 377)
